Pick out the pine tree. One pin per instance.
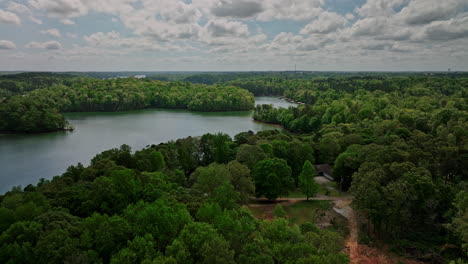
(306, 180)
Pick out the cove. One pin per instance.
(24, 159)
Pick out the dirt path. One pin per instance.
(358, 254)
(362, 254)
(352, 243)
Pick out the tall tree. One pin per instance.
(273, 178)
(306, 180)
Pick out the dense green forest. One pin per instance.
(22, 83)
(397, 144)
(39, 110)
(177, 202)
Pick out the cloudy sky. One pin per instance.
(233, 35)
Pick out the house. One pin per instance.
(324, 170)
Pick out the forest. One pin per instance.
(35, 103)
(396, 144)
(177, 202)
(399, 145)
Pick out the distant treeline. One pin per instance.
(39, 110)
(22, 83)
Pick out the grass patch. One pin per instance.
(306, 211)
(329, 190)
(257, 212)
(295, 194)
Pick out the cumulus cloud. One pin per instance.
(223, 28)
(52, 32)
(326, 23)
(18, 8)
(227, 28)
(369, 26)
(61, 8)
(101, 38)
(48, 45)
(164, 20)
(23, 10)
(446, 30)
(379, 8)
(420, 12)
(113, 40)
(377, 46)
(7, 45)
(290, 9)
(238, 9)
(7, 17)
(67, 21)
(76, 8)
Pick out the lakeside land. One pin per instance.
(396, 146)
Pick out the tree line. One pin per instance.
(39, 110)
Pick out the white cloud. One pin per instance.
(36, 20)
(18, 8)
(67, 21)
(23, 10)
(445, 30)
(60, 8)
(52, 32)
(420, 12)
(290, 9)
(49, 45)
(130, 44)
(380, 8)
(7, 17)
(369, 26)
(237, 9)
(101, 38)
(67, 9)
(327, 22)
(224, 28)
(224, 31)
(6, 44)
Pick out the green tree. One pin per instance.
(157, 161)
(306, 180)
(278, 211)
(160, 219)
(460, 222)
(207, 179)
(273, 178)
(241, 180)
(104, 234)
(250, 155)
(200, 243)
(139, 250)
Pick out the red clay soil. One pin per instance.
(358, 254)
(362, 254)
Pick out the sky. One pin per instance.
(233, 35)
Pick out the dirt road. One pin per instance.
(358, 254)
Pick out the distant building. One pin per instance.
(140, 76)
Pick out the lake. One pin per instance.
(24, 159)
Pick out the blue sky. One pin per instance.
(233, 35)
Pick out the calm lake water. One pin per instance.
(24, 159)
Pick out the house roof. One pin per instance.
(324, 168)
